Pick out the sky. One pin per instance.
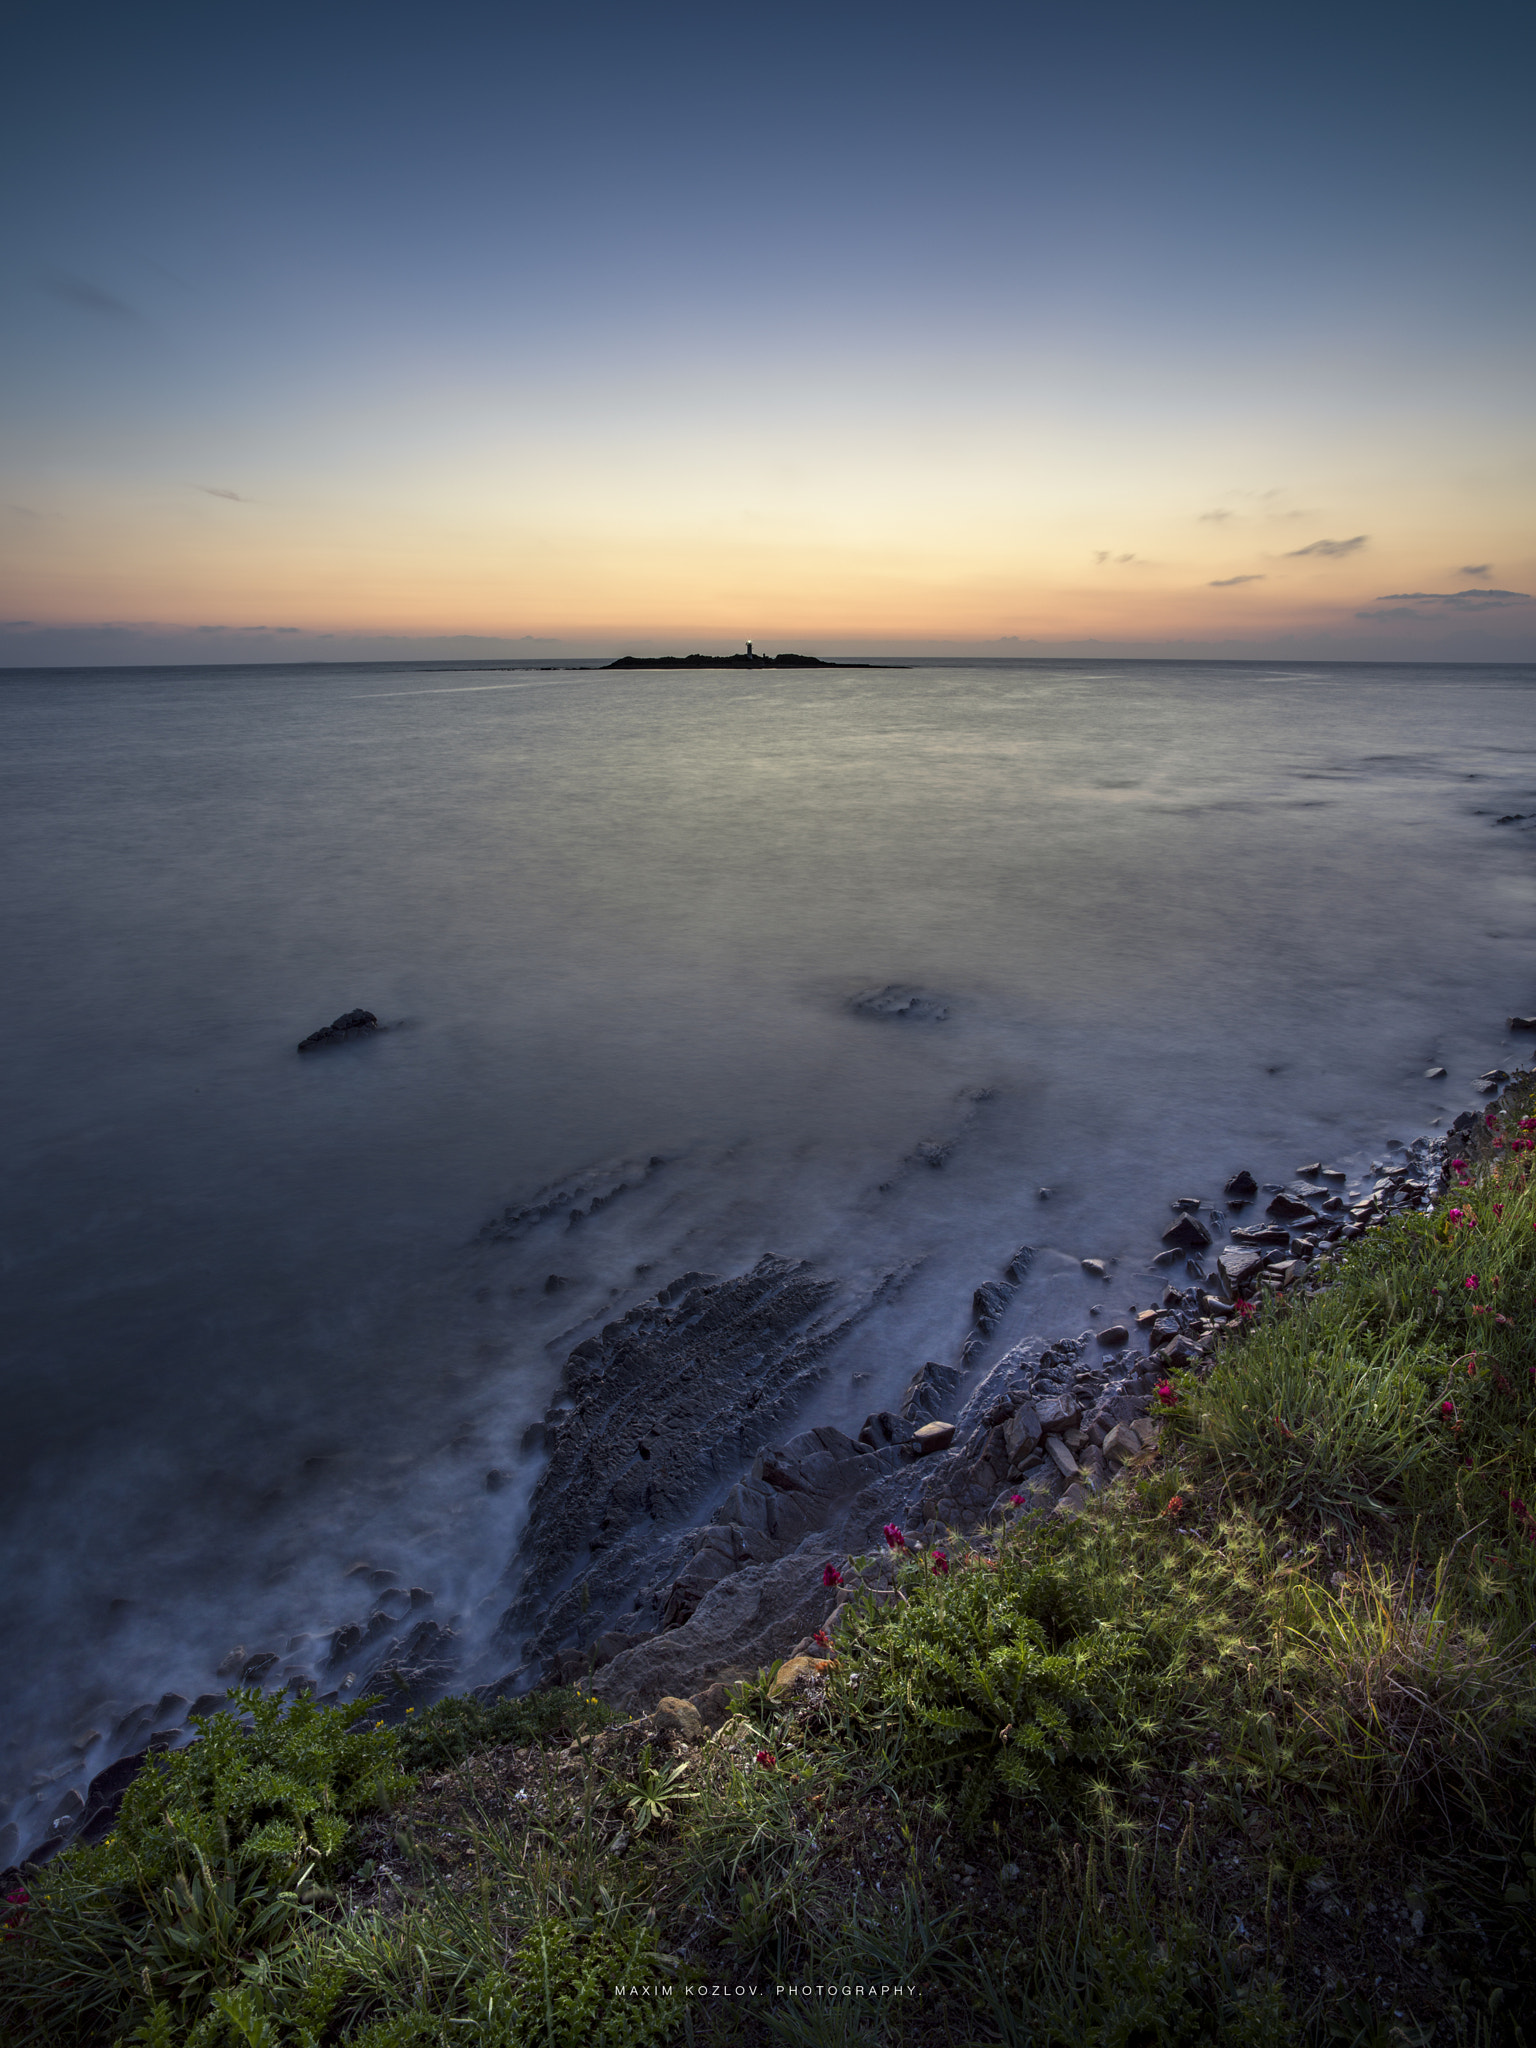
(363, 331)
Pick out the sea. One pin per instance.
(891, 969)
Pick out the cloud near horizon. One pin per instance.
(1329, 547)
(1475, 569)
(213, 491)
(1227, 582)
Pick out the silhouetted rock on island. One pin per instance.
(738, 661)
(355, 1024)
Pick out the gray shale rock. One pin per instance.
(666, 1405)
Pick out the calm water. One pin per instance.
(1182, 918)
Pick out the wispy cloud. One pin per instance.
(1215, 518)
(213, 491)
(1330, 547)
(1475, 569)
(1426, 604)
(1103, 555)
(84, 296)
(1227, 582)
(1448, 600)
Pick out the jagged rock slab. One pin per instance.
(666, 1406)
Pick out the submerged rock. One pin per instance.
(355, 1024)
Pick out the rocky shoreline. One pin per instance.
(667, 1415)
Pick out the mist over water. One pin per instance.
(1178, 919)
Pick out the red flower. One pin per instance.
(1498, 1208)
(1166, 1395)
(767, 1759)
(940, 1564)
(1470, 1282)
(894, 1538)
(1447, 1409)
(819, 1635)
(831, 1576)
(1175, 1507)
(1017, 1499)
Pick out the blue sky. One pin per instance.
(970, 330)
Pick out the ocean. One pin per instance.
(842, 965)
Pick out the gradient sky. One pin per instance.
(352, 330)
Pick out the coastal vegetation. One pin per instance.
(1244, 1752)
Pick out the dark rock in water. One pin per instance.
(1188, 1203)
(1434, 1073)
(104, 1797)
(1289, 1209)
(1164, 1258)
(1494, 1074)
(1094, 1268)
(1188, 1234)
(355, 1024)
(1242, 1186)
(1312, 1172)
(1117, 1333)
(988, 1303)
(1020, 1263)
(1265, 1233)
(1522, 1023)
(916, 1005)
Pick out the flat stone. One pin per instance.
(681, 1717)
(1061, 1457)
(1095, 1268)
(1122, 1444)
(933, 1436)
(1242, 1186)
(1434, 1073)
(1522, 1023)
(1057, 1414)
(1022, 1431)
(1239, 1267)
(1116, 1334)
(1073, 1501)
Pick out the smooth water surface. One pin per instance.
(1181, 918)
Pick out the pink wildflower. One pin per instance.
(1166, 1395)
(940, 1564)
(1017, 1499)
(894, 1538)
(1470, 1283)
(767, 1759)
(831, 1576)
(1447, 1409)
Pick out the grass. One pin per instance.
(1244, 1754)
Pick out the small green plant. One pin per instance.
(218, 1850)
(656, 1794)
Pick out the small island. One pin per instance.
(747, 660)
